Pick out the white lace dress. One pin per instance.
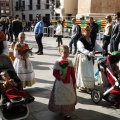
(26, 74)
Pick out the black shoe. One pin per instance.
(40, 53)
(29, 99)
(37, 52)
(67, 117)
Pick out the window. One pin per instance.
(30, 17)
(57, 16)
(47, 4)
(47, 16)
(7, 11)
(57, 3)
(7, 4)
(30, 6)
(23, 4)
(23, 16)
(38, 5)
(16, 7)
(69, 16)
(2, 4)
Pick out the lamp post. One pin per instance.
(22, 10)
(51, 6)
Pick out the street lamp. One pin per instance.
(51, 6)
(22, 10)
(52, 9)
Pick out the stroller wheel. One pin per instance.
(96, 96)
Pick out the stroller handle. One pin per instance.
(101, 53)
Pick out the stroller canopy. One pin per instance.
(111, 60)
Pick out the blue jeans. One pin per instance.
(73, 41)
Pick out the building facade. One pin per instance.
(97, 8)
(58, 9)
(6, 8)
(48, 9)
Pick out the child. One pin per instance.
(7, 83)
(115, 68)
(11, 50)
(9, 89)
(22, 63)
(63, 95)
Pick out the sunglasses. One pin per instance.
(88, 30)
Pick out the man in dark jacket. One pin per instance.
(17, 27)
(94, 28)
(115, 34)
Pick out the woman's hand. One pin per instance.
(103, 52)
(92, 53)
(14, 83)
(26, 56)
(62, 77)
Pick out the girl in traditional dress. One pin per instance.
(22, 63)
(84, 61)
(63, 95)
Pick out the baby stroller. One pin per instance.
(17, 107)
(112, 92)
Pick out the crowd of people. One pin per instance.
(13, 26)
(67, 74)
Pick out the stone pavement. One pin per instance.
(43, 64)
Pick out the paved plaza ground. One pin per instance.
(43, 64)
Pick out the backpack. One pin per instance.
(79, 35)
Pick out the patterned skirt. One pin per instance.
(63, 98)
(25, 72)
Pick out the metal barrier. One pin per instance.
(49, 31)
(45, 31)
(67, 32)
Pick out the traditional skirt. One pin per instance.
(63, 98)
(84, 71)
(25, 72)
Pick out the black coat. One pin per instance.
(17, 26)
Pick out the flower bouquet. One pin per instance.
(25, 50)
(63, 64)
